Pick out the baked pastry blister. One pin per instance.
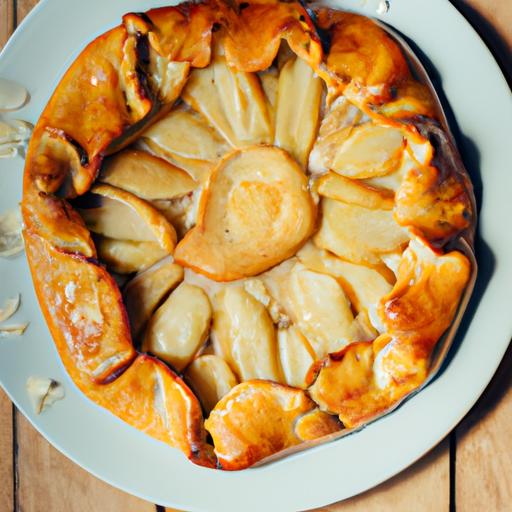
(248, 226)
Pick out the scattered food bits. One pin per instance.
(11, 241)
(44, 392)
(10, 307)
(7, 331)
(12, 95)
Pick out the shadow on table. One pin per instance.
(499, 47)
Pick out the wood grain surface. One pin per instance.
(469, 471)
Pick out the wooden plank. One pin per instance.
(6, 455)
(492, 19)
(496, 16)
(23, 7)
(424, 487)
(49, 481)
(484, 448)
(6, 20)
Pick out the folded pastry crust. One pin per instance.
(127, 80)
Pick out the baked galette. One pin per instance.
(241, 221)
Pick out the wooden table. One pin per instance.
(471, 470)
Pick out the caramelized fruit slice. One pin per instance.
(153, 399)
(243, 334)
(296, 357)
(146, 176)
(124, 216)
(180, 326)
(185, 138)
(232, 101)
(361, 234)
(427, 292)
(211, 378)
(296, 126)
(255, 213)
(84, 310)
(370, 150)
(364, 286)
(355, 192)
(126, 257)
(145, 291)
(257, 419)
(185, 133)
(336, 127)
(270, 83)
(321, 310)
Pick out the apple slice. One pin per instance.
(180, 326)
(255, 213)
(126, 257)
(299, 97)
(211, 378)
(365, 286)
(145, 291)
(232, 101)
(198, 170)
(258, 418)
(296, 357)
(358, 234)
(355, 192)
(321, 310)
(270, 82)
(336, 127)
(370, 150)
(187, 139)
(244, 335)
(124, 216)
(146, 176)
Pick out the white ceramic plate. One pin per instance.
(37, 55)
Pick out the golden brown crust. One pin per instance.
(83, 308)
(361, 52)
(254, 30)
(259, 418)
